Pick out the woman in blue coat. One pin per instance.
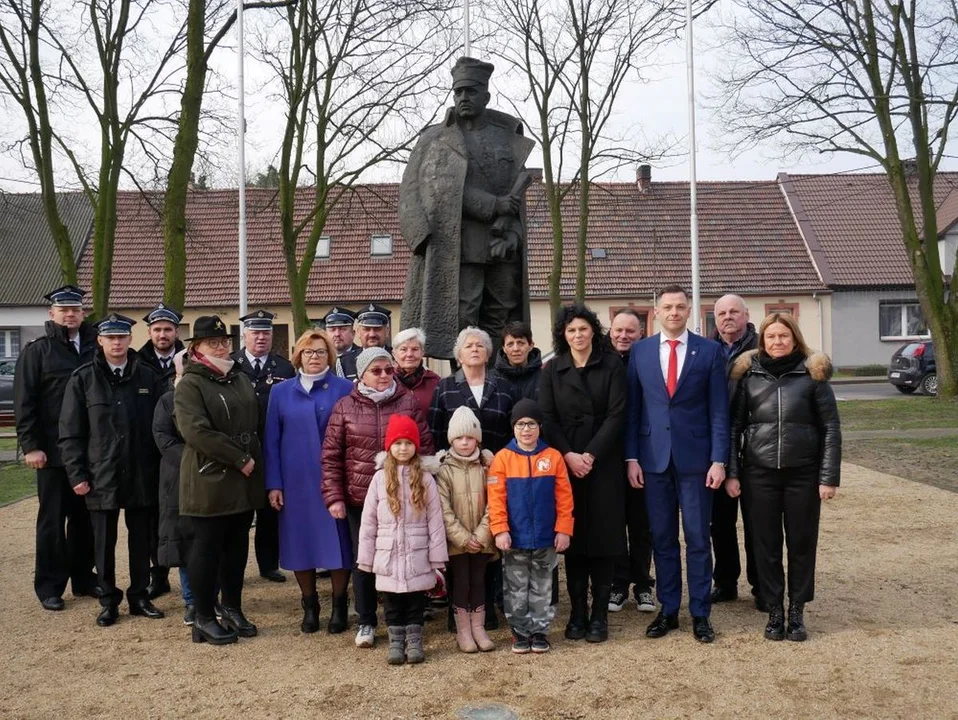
(309, 537)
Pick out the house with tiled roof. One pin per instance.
(849, 225)
(29, 264)
(638, 241)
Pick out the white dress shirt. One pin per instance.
(680, 350)
(252, 359)
(114, 368)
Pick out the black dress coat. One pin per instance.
(106, 433)
(584, 411)
(275, 369)
(175, 532)
(494, 412)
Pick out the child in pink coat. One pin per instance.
(402, 538)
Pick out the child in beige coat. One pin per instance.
(461, 481)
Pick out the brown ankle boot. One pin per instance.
(478, 621)
(464, 631)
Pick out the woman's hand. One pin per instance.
(276, 499)
(82, 489)
(733, 487)
(247, 469)
(504, 541)
(473, 545)
(562, 542)
(338, 510)
(827, 492)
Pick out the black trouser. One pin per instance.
(468, 574)
(157, 571)
(636, 567)
(266, 542)
(218, 555)
(64, 537)
(364, 583)
(789, 498)
(728, 565)
(580, 569)
(401, 609)
(105, 523)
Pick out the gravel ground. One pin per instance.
(884, 643)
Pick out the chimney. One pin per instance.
(644, 178)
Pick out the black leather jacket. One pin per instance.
(785, 422)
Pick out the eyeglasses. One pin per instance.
(377, 371)
(530, 425)
(309, 352)
(223, 342)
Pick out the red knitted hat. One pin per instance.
(402, 427)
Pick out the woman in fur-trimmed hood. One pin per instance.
(785, 459)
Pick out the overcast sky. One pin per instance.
(655, 108)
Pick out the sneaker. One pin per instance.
(539, 644)
(521, 644)
(617, 600)
(189, 615)
(366, 637)
(644, 601)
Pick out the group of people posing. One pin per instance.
(363, 463)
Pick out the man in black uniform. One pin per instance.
(373, 321)
(43, 369)
(163, 323)
(263, 367)
(339, 324)
(736, 335)
(111, 459)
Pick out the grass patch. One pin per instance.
(16, 482)
(933, 461)
(898, 414)
(8, 443)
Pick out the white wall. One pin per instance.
(11, 317)
(947, 246)
(856, 334)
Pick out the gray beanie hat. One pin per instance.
(365, 358)
(464, 423)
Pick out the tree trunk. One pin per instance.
(184, 152)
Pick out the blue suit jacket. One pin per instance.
(691, 427)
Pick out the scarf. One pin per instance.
(474, 457)
(307, 380)
(377, 396)
(776, 367)
(412, 379)
(220, 367)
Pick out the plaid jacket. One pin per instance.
(498, 397)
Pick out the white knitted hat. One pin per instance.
(464, 422)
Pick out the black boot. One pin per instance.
(796, 622)
(578, 588)
(310, 622)
(234, 619)
(209, 630)
(599, 622)
(775, 629)
(338, 620)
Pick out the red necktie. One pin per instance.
(673, 375)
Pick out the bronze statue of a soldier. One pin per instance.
(462, 211)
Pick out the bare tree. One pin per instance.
(877, 79)
(110, 59)
(355, 76)
(574, 57)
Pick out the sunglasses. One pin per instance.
(377, 371)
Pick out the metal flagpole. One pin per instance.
(241, 157)
(693, 190)
(465, 28)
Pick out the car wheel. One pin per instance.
(929, 384)
(905, 389)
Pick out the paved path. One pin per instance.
(8, 455)
(902, 434)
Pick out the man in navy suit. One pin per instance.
(677, 444)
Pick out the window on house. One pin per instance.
(322, 247)
(901, 319)
(782, 308)
(708, 320)
(381, 245)
(9, 343)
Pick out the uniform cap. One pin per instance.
(469, 72)
(374, 315)
(115, 324)
(66, 296)
(162, 313)
(258, 320)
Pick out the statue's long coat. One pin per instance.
(430, 216)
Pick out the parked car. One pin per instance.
(6, 392)
(912, 368)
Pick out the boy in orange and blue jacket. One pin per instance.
(530, 514)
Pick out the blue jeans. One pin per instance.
(185, 589)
